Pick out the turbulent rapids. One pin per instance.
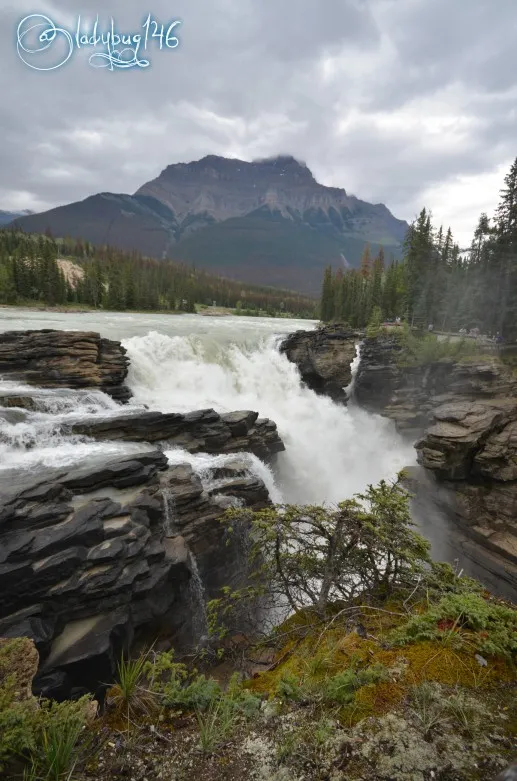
(331, 451)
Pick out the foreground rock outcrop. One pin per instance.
(200, 431)
(93, 559)
(65, 359)
(324, 358)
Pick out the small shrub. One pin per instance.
(341, 688)
(131, 693)
(176, 687)
(216, 724)
(493, 627)
(427, 348)
(467, 713)
(44, 734)
(200, 694)
(427, 707)
(243, 701)
(289, 688)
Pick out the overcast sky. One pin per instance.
(405, 102)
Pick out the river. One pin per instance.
(187, 362)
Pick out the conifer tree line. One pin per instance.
(117, 280)
(435, 282)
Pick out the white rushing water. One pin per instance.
(193, 362)
(331, 451)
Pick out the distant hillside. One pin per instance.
(8, 217)
(266, 222)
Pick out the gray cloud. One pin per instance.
(390, 99)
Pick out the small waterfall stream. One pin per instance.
(197, 600)
(170, 528)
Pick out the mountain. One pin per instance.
(266, 222)
(8, 217)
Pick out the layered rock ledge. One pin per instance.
(324, 358)
(472, 450)
(200, 431)
(65, 359)
(94, 559)
(408, 394)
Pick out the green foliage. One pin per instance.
(243, 701)
(131, 693)
(357, 295)
(57, 756)
(311, 556)
(47, 734)
(216, 724)
(44, 734)
(340, 688)
(419, 350)
(177, 687)
(117, 280)
(289, 688)
(464, 618)
(375, 322)
(432, 706)
(437, 283)
(327, 296)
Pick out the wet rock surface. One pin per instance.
(200, 431)
(65, 359)
(323, 358)
(93, 559)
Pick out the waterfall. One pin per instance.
(39, 436)
(169, 512)
(331, 452)
(197, 600)
(354, 368)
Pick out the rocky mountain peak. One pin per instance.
(282, 169)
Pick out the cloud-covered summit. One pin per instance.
(404, 102)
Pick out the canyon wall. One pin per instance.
(461, 412)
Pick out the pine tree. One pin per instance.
(327, 296)
(505, 260)
(366, 262)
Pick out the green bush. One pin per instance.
(289, 688)
(341, 688)
(427, 348)
(494, 625)
(46, 734)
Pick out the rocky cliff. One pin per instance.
(262, 222)
(471, 449)
(407, 390)
(94, 558)
(324, 358)
(65, 359)
(462, 414)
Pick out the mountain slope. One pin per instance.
(8, 217)
(267, 222)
